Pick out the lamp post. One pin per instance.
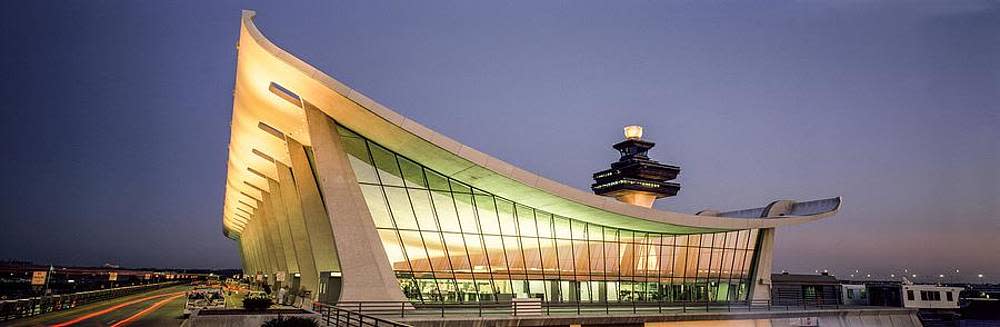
(48, 275)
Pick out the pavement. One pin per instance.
(234, 299)
(162, 307)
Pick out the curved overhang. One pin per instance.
(262, 118)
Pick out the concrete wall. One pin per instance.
(238, 320)
(876, 317)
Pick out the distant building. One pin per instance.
(930, 296)
(853, 294)
(884, 293)
(796, 289)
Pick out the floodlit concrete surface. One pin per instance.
(260, 63)
(294, 207)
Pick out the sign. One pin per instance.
(113, 276)
(279, 276)
(38, 278)
(804, 321)
(526, 306)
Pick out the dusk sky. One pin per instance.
(116, 113)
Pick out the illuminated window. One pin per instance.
(450, 242)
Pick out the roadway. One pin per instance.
(162, 307)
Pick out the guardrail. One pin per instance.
(404, 309)
(27, 307)
(337, 316)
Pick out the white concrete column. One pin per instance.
(765, 256)
(243, 257)
(264, 242)
(320, 236)
(261, 252)
(284, 233)
(297, 228)
(273, 236)
(251, 238)
(367, 275)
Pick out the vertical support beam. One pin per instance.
(320, 235)
(297, 228)
(762, 272)
(264, 243)
(243, 257)
(251, 250)
(246, 239)
(257, 248)
(280, 214)
(367, 275)
(273, 236)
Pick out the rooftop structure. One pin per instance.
(634, 178)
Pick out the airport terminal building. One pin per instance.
(329, 191)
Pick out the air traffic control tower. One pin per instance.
(634, 178)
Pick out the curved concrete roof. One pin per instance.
(261, 63)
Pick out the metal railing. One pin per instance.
(337, 316)
(27, 307)
(405, 309)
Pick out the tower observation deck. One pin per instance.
(635, 178)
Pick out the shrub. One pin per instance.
(257, 303)
(290, 322)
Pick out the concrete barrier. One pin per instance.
(855, 317)
(241, 319)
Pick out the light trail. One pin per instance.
(110, 309)
(145, 311)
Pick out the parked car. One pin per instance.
(201, 298)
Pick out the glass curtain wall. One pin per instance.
(450, 242)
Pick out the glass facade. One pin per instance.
(449, 242)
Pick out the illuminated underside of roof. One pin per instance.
(261, 65)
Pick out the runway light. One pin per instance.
(633, 132)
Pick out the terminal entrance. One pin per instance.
(329, 286)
